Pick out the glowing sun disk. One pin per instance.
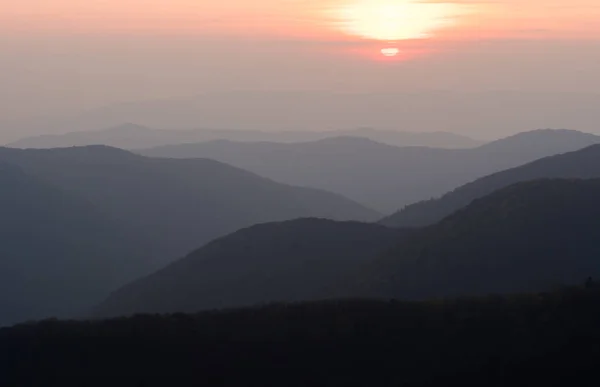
(391, 51)
(393, 20)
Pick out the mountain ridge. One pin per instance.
(287, 261)
(133, 136)
(58, 253)
(529, 236)
(584, 163)
(77, 223)
(381, 176)
(201, 198)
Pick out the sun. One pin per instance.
(390, 51)
(394, 20)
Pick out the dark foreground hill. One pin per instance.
(530, 340)
(58, 253)
(381, 176)
(291, 261)
(584, 164)
(176, 205)
(530, 236)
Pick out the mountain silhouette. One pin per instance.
(531, 236)
(584, 163)
(58, 253)
(528, 237)
(548, 339)
(488, 113)
(540, 143)
(132, 136)
(290, 261)
(177, 205)
(381, 176)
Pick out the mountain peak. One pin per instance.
(542, 138)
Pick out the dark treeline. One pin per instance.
(546, 339)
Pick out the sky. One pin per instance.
(60, 57)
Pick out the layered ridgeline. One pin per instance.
(381, 176)
(58, 253)
(456, 112)
(527, 237)
(131, 136)
(79, 223)
(583, 164)
(177, 205)
(289, 261)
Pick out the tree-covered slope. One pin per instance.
(527, 237)
(289, 261)
(547, 339)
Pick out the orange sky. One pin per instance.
(64, 56)
(318, 19)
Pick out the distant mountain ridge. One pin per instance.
(540, 143)
(180, 204)
(132, 136)
(489, 114)
(378, 175)
(584, 163)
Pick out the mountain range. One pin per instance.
(380, 176)
(79, 222)
(58, 253)
(584, 164)
(132, 136)
(531, 236)
(291, 261)
(484, 115)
